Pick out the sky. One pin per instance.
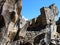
(31, 8)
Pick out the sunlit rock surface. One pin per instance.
(42, 30)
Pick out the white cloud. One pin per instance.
(24, 18)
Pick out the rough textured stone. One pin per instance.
(18, 31)
(58, 25)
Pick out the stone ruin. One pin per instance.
(15, 30)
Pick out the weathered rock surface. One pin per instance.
(41, 30)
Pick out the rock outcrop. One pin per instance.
(15, 30)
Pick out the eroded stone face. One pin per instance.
(46, 18)
(54, 9)
(16, 26)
